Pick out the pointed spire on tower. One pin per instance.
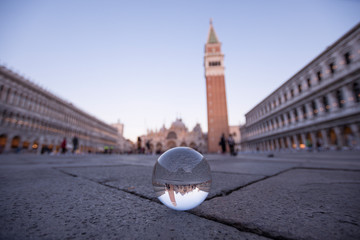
(212, 38)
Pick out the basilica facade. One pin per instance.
(33, 119)
(317, 108)
(177, 135)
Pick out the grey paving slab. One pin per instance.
(223, 183)
(298, 204)
(345, 165)
(48, 204)
(251, 167)
(137, 179)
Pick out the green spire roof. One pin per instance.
(212, 35)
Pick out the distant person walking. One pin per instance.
(63, 146)
(148, 146)
(75, 142)
(139, 145)
(231, 143)
(222, 143)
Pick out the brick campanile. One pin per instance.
(215, 91)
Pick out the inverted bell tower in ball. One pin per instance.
(215, 91)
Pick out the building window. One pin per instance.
(282, 120)
(299, 88)
(356, 90)
(214, 63)
(332, 68)
(319, 76)
(347, 58)
(340, 98)
(326, 103)
(279, 100)
(289, 117)
(296, 116)
(285, 97)
(314, 108)
(1, 91)
(303, 109)
(292, 93)
(308, 82)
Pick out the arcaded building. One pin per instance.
(33, 119)
(319, 107)
(177, 135)
(217, 114)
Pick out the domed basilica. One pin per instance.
(175, 136)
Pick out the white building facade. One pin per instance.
(32, 118)
(319, 107)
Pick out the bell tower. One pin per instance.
(215, 91)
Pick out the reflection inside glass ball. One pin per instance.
(181, 178)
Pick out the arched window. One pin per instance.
(340, 98)
(326, 103)
(356, 90)
(314, 108)
(171, 135)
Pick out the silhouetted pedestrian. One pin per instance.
(231, 143)
(63, 146)
(139, 145)
(75, 142)
(148, 147)
(222, 143)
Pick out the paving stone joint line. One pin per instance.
(237, 226)
(155, 200)
(226, 193)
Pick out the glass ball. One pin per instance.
(181, 178)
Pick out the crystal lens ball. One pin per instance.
(181, 178)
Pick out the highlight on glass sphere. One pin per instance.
(181, 178)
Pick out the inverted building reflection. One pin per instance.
(181, 189)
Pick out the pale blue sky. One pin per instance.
(142, 61)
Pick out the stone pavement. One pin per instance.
(288, 196)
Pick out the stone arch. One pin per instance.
(320, 140)
(308, 141)
(171, 135)
(15, 142)
(14, 97)
(183, 144)
(193, 145)
(1, 91)
(300, 141)
(349, 137)
(286, 146)
(3, 140)
(30, 103)
(151, 148)
(35, 145)
(158, 148)
(292, 143)
(17, 119)
(21, 99)
(332, 137)
(170, 144)
(9, 118)
(25, 144)
(2, 117)
(8, 95)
